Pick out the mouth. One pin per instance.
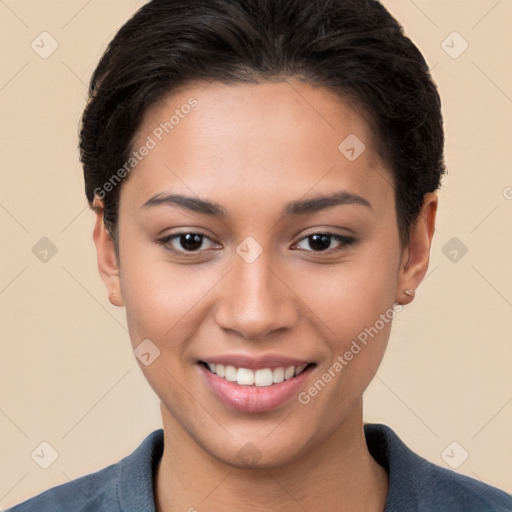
(261, 377)
(255, 383)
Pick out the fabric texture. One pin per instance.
(415, 484)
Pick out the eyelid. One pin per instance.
(343, 240)
(166, 242)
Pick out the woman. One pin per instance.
(263, 176)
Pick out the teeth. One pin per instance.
(263, 377)
(260, 378)
(245, 377)
(220, 370)
(230, 373)
(299, 370)
(278, 375)
(289, 373)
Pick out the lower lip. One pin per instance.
(254, 398)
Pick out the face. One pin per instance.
(247, 271)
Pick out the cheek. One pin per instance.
(160, 298)
(356, 313)
(351, 296)
(356, 310)
(354, 304)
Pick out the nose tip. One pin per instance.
(255, 303)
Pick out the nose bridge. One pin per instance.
(254, 299)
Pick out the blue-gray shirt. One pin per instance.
(414, 483)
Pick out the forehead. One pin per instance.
(263, 140)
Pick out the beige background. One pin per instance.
(68, 376)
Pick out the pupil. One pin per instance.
(320, 242)
(191, 241)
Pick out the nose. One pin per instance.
(256, 300)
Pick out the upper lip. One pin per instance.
(255, 362)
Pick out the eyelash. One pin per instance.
(345, 242)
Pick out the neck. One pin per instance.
(339, 475)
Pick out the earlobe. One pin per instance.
(415, 257)
(106, 256)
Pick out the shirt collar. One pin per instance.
(136, 472)
(407, 471)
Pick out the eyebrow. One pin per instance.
(299, 207)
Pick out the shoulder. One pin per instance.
(96, 491)
(454, 491)
(129, 481)
(417, 484)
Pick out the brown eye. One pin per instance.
(321, 242)
(184, 242)
(190, 241)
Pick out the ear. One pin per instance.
(107, 259)
(415, 257)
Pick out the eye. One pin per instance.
(320, 242)
(189, 242)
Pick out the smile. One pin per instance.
(261, 377)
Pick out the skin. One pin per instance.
(253, 148)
